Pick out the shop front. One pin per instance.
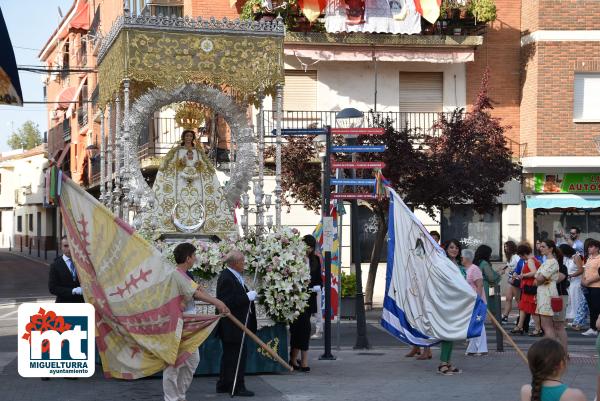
(560, 201)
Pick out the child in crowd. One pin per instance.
(547, 363)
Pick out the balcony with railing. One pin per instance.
(423, 123)
(66, 129)
(82, 115)
(163, 133)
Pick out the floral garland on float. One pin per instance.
(279, 256)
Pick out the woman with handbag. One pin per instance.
(527, 304)
(547, 294)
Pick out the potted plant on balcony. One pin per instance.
(348, 302)
(482, 10)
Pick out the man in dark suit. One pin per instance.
(63, 281)
(232, 291)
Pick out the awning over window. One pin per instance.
(76, 97)
(562, 201)
(366, 54)
(82, 18)
(65, 97)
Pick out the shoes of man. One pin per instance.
(590, 332)
(244, 393)
(223, 390)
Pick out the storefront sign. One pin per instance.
(586, 183)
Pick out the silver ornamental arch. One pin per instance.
(235, 116)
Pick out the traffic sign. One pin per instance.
(300, 131)
(335, 164)
(358, 131)
(353, 181)
(358, 149)
(347, 196)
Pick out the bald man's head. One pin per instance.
(235, 260)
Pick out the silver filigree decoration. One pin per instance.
(154, 99)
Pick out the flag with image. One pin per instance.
(426, 297)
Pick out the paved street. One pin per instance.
(380, 373)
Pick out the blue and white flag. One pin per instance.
(426, 297)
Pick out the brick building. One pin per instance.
(560, 116)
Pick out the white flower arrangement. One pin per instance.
(279, 257)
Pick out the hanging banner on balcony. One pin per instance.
(567, 183)
(358, 149)
(373, 16)
(357, 165)
(312, 8)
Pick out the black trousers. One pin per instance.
(593, 300)
(228, 364)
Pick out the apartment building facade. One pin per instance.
(560, 117)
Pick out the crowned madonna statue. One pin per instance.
(189, 197)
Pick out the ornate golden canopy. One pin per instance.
(243, 56)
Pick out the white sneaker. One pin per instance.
(318, 334)
(590, 332)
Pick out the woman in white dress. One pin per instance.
(574, 264)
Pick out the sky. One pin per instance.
(30, 23)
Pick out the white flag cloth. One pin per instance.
(426, 297)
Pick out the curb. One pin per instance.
(32, 258)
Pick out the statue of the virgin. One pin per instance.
(189, 197)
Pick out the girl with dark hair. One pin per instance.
(491, 278)
(591, 280)
(546, 278)
(511, 291)
(453, 250)
(547, 363)
(527, 304)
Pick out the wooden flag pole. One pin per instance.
(508, 337)
(264, 346)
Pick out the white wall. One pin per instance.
(351, 84)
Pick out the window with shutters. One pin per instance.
(300, 90)
(586, 97)
(421, 92)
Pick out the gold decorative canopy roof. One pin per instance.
(244, 56)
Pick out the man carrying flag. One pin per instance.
(177, 378)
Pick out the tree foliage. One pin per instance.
(26, 137)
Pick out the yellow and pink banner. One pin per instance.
(140, 327)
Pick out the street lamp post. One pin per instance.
(353, 118)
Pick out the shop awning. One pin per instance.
(562, 201)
